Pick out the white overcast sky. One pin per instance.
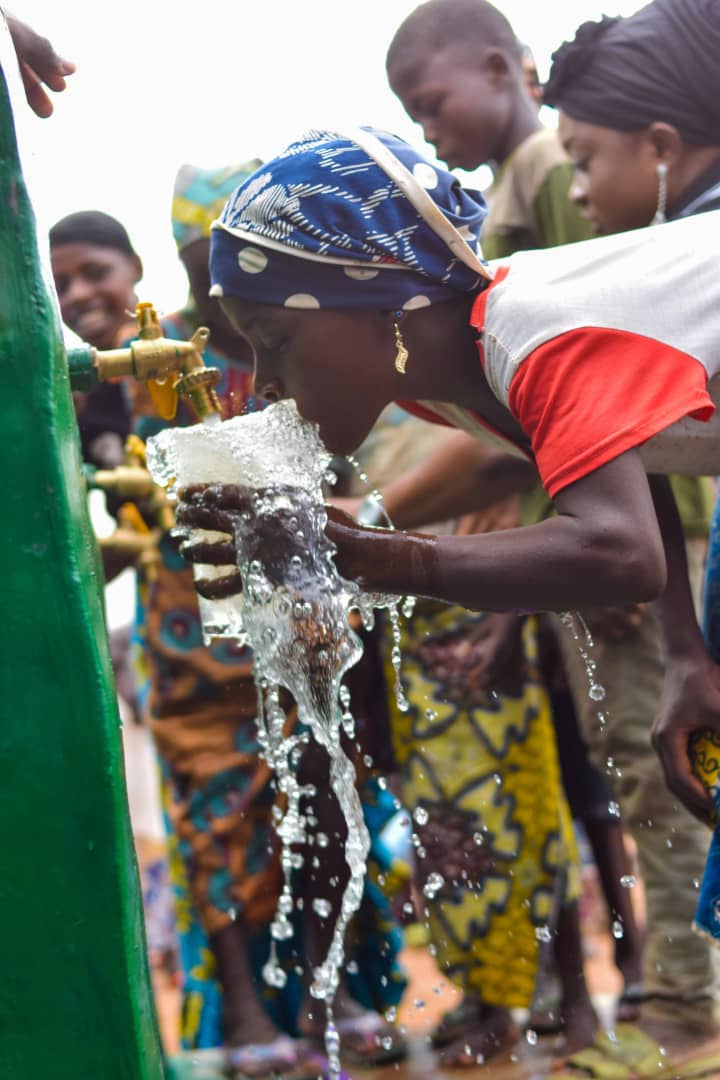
(213, 82)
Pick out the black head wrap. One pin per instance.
(661, 64)
(91, 227)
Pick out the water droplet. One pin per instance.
(531, 1036)
(628, 881)
(433, 885)
(281, 928)
(274, 975)
(614, 809)
(543, 933)
(322, 907)
(421, 815)
(618, 930)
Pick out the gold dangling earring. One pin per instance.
(401, 356)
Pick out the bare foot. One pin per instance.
(628, 961)
(456, 1023)
(366, 1038)
(313, 1017)
(629, 1004)
(244, 1020)
(254, 1027)
(580, 1024)
(262, 1060)
(496, 1031)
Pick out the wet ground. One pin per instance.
(430, 988)
(428, 996)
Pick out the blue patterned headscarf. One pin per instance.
(349, 222)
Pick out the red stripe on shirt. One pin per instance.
(477, 321)
(589, 395)
(425, 414)
(477, 313)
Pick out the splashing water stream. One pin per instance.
(580, 632)
(293, 610)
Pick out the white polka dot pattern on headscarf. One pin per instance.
(416, 302)
(425, 175)
(302, 300)
(360, 273)
(252, 260)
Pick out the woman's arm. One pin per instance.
(691, 698)
(602, 548)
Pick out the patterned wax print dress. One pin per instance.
(478, 769)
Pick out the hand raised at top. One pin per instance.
(40, 66)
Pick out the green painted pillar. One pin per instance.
(75, 997)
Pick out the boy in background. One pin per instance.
(457, 67)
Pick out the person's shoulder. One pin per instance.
(537, 162)
(537, 155)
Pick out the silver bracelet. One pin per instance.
(371, 511)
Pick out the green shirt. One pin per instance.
(528, 201)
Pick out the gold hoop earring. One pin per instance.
(401, 355)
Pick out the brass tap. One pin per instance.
(134, 536)
(126, 480)
(168, 367)
(199, 386)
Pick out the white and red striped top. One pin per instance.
(606, 345)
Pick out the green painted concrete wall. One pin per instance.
(75, 998)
